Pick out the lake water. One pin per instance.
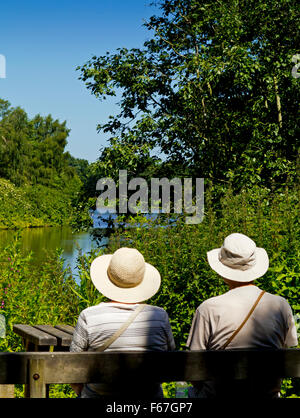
(38, 240)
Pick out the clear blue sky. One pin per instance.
(44, 42)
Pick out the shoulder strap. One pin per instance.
(244, 322)
(120, 331)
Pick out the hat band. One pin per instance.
(118, 283)
(235, 261)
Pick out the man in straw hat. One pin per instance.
(244, 317)
(123, 324)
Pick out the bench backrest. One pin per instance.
(39, 369)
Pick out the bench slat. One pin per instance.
(66, 328)
(34, 335)
(64, 339)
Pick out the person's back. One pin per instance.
(270, 324)
(123, 324)
(150, 331)
(217, 318)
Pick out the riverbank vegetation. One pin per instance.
(34, 206)
(34, 294)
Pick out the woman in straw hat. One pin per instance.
(244, 317)
(123, 323)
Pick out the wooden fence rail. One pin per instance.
(36, 369)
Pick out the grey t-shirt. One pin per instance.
(150, 330)
(271, 325)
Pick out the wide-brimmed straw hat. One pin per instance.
(124, 276)
(239, 259)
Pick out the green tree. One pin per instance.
(14, 145)
(212, 89)
(38, 179)
(32, 151)
(81, 165)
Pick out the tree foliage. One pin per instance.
(32, 151)
(211, 92)
(38, 180)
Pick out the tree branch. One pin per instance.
(166, 41)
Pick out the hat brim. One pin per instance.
(258, 270)
(143, 291)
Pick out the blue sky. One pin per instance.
(44, 42)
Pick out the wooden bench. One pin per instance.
(37, 369)
(45, 337)
(40, 338)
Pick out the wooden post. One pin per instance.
(51, 349)
(37, 387)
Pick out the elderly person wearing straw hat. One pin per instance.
(123, 323)
(243, 317)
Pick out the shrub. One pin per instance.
(34, 295)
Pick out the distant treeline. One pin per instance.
(38, 179)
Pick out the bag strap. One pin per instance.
(244, 322)
(120, 331)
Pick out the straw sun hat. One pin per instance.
(239, 259)
(124, 276)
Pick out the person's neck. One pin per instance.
(124, 303)
(233, 285)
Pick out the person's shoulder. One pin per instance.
(213, 305)
(280, 301)
(213, 301)
(154, 308)
(157, 310)
(92, 309)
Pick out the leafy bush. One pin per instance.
(36, 205)
(34, 295)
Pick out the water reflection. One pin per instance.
(39, 240)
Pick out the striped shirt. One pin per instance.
(149, 331)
